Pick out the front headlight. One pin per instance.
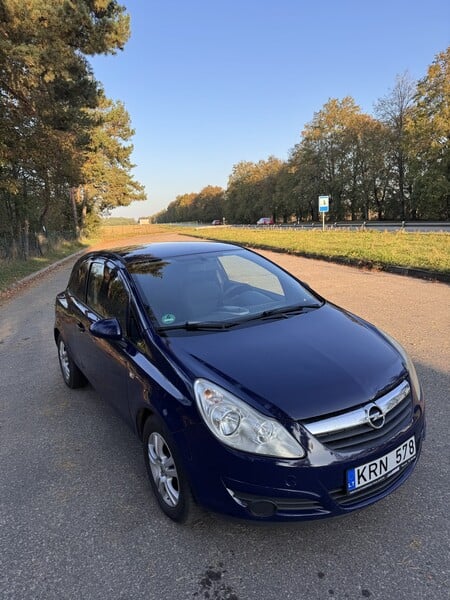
(236, 424)
(414, 380)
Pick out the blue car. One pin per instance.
(252, 395)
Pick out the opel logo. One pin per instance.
(375, 417)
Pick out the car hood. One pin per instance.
(305, 366)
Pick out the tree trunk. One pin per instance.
(73, 194)
(26, 239)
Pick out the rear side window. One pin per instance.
(77, 282)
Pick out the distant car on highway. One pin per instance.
(265, 221)
(252, 395)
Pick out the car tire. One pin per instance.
(72, 375)
(165, 471)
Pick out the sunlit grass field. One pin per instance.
(428, 251)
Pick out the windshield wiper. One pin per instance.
(200, 326)
(283, 312)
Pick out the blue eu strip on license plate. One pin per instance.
(382, 467)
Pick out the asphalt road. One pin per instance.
(78, 520)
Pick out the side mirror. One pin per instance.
(106, 329)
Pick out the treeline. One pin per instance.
(64, 146)
(394, 165)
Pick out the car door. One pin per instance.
(105, 361)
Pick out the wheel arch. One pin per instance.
(141, 419)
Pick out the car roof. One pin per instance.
(162, 250)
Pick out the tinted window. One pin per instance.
(106, 293)
(94, 286)
(114, 297)
(77, 283)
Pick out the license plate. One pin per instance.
(382, 467)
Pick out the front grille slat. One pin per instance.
(358, 434)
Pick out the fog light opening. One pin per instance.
(262, 508)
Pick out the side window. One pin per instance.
(93, 297)
(77, 283)
(107, 295)
(114, 297)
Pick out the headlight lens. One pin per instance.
(414, 380)
(236, 424)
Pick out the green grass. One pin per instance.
(12, 271)
(428, 251)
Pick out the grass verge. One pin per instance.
(12, 271)
(378, 249)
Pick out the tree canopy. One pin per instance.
(64, 150)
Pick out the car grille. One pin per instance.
(352, 431)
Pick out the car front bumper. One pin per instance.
(264, 488)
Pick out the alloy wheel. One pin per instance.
(163, 468)
(64, 360)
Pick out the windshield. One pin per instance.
(216, 288)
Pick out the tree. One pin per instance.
(326, 159)
(204, 206)
(306, 171)
(251, 191)
(209, 203)
(106, 171)
(394, 110)
(370, 171)
(429, 129)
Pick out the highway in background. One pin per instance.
(408, 226)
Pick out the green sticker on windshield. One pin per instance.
(168, 319)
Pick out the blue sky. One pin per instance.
(209, 83)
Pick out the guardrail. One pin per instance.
(411, 226)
